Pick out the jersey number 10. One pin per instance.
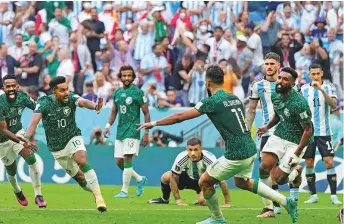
(241, 119)
(61, 123)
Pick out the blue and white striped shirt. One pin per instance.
(261, 89)
(123, 16)
(319, 108)
(194, 5)
(197, 91)
(143, 44)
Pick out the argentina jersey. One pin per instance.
(261, 89)
(319, 108)
(194, 170)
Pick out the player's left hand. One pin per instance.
(145, 125)
(200, 202)
(99, 105)
(261, 131)
(294, 160)
(145, 140)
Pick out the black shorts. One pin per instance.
(324, 145)
(185, 182)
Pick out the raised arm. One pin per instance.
(84, 103)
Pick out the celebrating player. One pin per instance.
(63, 136)
(12, 105)
(321, 97)
(186, 170)
(128, 101)
(240, 151)
(262, 89)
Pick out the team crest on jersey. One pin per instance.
(286, 112)
(66, 111)
(129, 100)
(20, 111)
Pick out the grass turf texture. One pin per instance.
(71, 204)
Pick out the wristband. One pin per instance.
(107, 126)
(154, 123)
(27, 137)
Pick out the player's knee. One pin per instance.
(309, 163)
(328, 162)
(165, 178)
(31, 159)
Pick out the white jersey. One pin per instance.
(261, 89)
(183, 163)
(319, 108)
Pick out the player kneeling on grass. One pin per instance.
(12, 105)
(64, 139)
(186, 170)
(226, 112)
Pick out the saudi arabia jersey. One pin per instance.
(58, 120)
(226, 112)
(293, 112)
(128, 102)
(183, 163)
(12, 111)
(262, 90)
(319, 108)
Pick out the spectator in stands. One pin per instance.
(268, 32)
(242, 22)
(304, 60)
(33, 92)
(66, 67)
(320, 56)
(89, 92)
(196, 78)
(30, 32)
(244, 60)
(153, 68)
(319, 31)
(128, 29)
(144, 41)
(151, 94)
(101, 86)
(287, 21)
(6, 22)
(255, 44)
(30, 67)
(230, 79)
(18, 50)
(44, 42)
(202, 33)
(309, 14)
(7, 63)
(195, 9)
(50, 56)
(97, 138)
(86, 13)
(172, 100)
(60, 26)
(163, 139)
(125, 11)
(45, 87)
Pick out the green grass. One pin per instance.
(70, 204)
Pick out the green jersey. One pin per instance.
(58, 120)
(128, 102)
(293, 112)
(12, 111)
(226, 112)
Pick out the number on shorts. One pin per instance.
(76, 143)
(61, 123)
(329, 145)
(13, 122)
(131, 143)
(241, 120)
(123, 109)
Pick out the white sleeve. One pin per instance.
(180, 163)
(254, 91)
(332, 92)
(208, 157)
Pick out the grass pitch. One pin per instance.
(70, 204)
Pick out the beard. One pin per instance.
(281, 89)
(209, 93)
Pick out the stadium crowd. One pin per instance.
(169, 44)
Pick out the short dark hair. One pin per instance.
(218, 28)
(89, 84)
(215, 74)
(291, 71)
(163, 38)
(194, 141)
(9, 76)
(272, 55)
(119, 29)
(56, 81)
(45, 25)
(154, 46)
(87, 24)
(207, 47)
(315, 66)
(223, 60)
(126, 68)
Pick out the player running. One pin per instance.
(226, 112)
(64, 139)
(321, 97)
(262, 90)
(128, 101)
(12, 141)
(187, 168)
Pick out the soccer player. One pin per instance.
(128, 101)
(186, 170)
(226, 112)
(12, 141)
(261, 90)
(293, 133)
(64, 139)
(321, 97)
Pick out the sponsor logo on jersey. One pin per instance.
(286, 112)
(20, 111)
(123, 95)
(129, 100)
(66, 111)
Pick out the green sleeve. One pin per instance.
(41, 106)
(141, 98)
(206, 106)
(304, 114)
(2, 117)
(73, 97)
(30, 103)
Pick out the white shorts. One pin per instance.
(223, 169)
(65, 156)
(9, 150)
(128, 146)
(283, 149)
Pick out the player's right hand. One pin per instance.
(99, 105)
(261, 131)
(106, 132)
(29, 145)
(181, 203)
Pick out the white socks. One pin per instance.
(127, 172)
(270, 194)
(14, 183)
(35, 178)
(213, 205)
(92, 181)
(136, 176)
(267, 203)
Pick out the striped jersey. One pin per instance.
(319, 108)
(123, 16)
(183, 163)
(194, 5)
(262, 90)
(197, 91)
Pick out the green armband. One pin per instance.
(28, 137)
